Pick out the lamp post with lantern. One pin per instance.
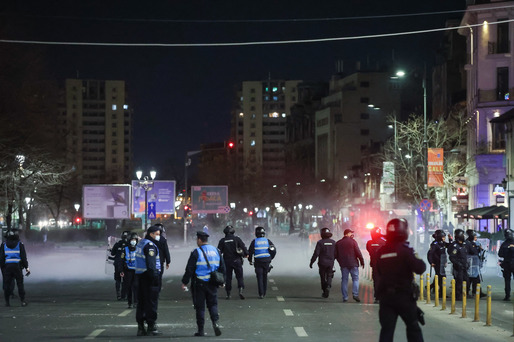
(146, 184)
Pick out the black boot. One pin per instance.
(141, 329)
(241, 293)
(228, 295)
(200, 331)
(216, 327)
(152, 330)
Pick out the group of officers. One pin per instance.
(139, 265)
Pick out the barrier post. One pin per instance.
(477, 304)
(436, 290)
(452, 309)
(421, 295)
(488, 307)
(444, 294)
(428, 288)
(464, 299)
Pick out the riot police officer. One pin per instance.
(13, 259)
(116, 252)
(372, 246)
(437, 256)
(202, 261)
(148, 270)
(396, 263)
(263, 250)
(474, 252)
(507, 253)
(325, 253)
(128, 260)
(459, 259)
(233, 250)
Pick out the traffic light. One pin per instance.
(231, 145)
(78, 220)
(250, 213)
(187, 210)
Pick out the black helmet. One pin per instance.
(397, 230)
(325, 233)
(229, 230)
(134, 236)
(376, 233)
(11, 234)
(459, 235)
(471, 234)
(438, 235)
(260, 232)
(125, 235)
(508, 233)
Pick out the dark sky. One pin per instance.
(182, 95)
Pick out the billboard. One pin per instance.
(106, 201)
(209, 199)
(435, 167)
(162, 194)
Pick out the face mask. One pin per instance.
(157, 238)
(133, 242)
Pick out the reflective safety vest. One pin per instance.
(130, 258)
(141, 257)
(203, 272)
(12, 255)
(261, 248)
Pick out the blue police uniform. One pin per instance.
(13, 258)
(129, 271)
(263, 250)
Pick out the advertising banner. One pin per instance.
(435, 167)
(106, 201)
(209, 199)
(388, 178)
(162, 193)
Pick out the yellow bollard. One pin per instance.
(436, 290)
(488, 308)
(421, 295)
(444, 294)
(428, 289)
(464, 301)
(452, 309)
(477, 304)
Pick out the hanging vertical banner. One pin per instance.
(388, 178)
(435, 167)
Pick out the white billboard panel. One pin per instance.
(106, 201)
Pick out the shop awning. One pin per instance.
(485, 213)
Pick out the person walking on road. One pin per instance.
(13, 259)
(263, 250)
(506, 252)
(128, 260)
(164, 252)
(348, 255)
(325, 253)
(202, 261)
(474, 252)
(372, 246)
(396, 264)
(116, 251)
(233, 250)
(437, 257)
(148, 270)
(459, 259)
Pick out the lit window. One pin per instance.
(114, 107)
(125, 106)
(252, 143)
(266, 98)
(275, 89)
(266, 89)
(275, 98)
(241, 114)
(283, 115)
(253, 116)
(241, 98)
(273, 115)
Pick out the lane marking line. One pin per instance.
(94, 334)
(300, 332)
(288, 312)
(280, 299)
(272, 280)
(125, 313)
(274, 288)
(169, 281)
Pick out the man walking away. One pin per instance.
(349, 256)
(325, 253)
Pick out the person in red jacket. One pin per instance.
(348, 255)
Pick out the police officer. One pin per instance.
(116, 252)
(459, 259)
(437, 256)
(474, 252)
(202, 261)
(164, 252)
(128, 260)
(13, 259)
(372, 246)
(396, 263)
(148, 270)
(507, 253)
(233, 250)
(264, 251)
(325, 253)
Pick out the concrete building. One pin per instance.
(490, 80)
(97, 130)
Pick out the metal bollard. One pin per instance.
(436, 290)
(421, 295)
(452, 309)
(444, 294)
(464, 299)
(488, 307)
(428, 288)
(477, 304)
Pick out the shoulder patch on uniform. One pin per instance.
(454, 251)
(151, 252)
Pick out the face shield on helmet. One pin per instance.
(439, 235)
(125, 235)
(397, 230)
(260, 232)
(508, 234)
(375, 233)
(229, 230)
(459, 235)
(325, 233)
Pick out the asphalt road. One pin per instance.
(71, 298)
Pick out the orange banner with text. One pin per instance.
(435, 167)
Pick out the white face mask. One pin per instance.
(133, 242)
(157, 238)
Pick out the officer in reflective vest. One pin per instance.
(128, 260)
(263, 250)
(13, 259)
(148, 270)
(202, 261)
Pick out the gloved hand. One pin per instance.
(310, 265)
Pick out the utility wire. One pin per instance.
(271, 42)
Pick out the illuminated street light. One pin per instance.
(146, 184)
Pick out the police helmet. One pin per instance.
(375, 232)
(125, 235)
(508, 233)
(438, 235)
(325, 233)
(229, 230)
(471, 234)
(11, 234)
(397, 230)
(260, 232)
(459, 235)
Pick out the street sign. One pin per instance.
(151, 211)
(425, 205)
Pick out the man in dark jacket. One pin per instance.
(459, 259)
(506, 253)
(233, 250)
(348, 256)
(372, 246)
(437, 256)
(164, 252)
(13, 259)
(325, 253)
(116, 251)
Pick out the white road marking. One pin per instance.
(280, 299)
(288, 312)
(272, 280)
(300, 331)
(124, 313)
(94, 334)
(274, 288)
(169, 281)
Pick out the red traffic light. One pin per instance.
(231, 144)
(78, 220)
(250, 213)
(186, 207)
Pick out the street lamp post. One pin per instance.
(146, 184)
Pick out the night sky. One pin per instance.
(182, 96)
